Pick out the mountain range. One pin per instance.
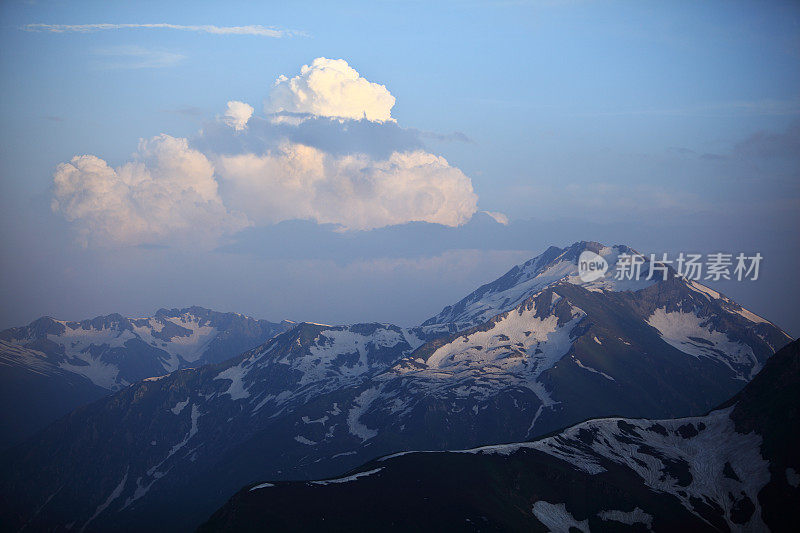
(50, 367)
(532, 352)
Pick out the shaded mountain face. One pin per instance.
(315, 401)
(34, 393)
(50, 367)
(734, 469)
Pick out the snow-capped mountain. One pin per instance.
(734, 469)
(113, 351)
(530, 353)
(569, 349)
(51, 366)
(556, 265)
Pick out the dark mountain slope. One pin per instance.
(733, 469)
(34, 394)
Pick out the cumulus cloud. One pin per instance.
(354, 191)
(167, 193)
(242, 170)
(329, 88)
(237, 115)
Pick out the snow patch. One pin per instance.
(190, 347)
(179, 407)
(195, 416)
(556, 517)
(360, 406)
(236, 390)
(100, 373)
(514, 350)
(533, 422)
(690, 334)
(348, 478)
(752, 317)
(649, 454)
(111, 497)
(590, 369)
(344, 454)
(307, 420)
(711, 294)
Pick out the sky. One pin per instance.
(375, 161)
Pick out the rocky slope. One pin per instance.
(734, 469)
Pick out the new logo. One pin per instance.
(591, 266)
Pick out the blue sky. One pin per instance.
(668, 126)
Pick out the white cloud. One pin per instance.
(257, 30)
(247, 171)
(237, 115)
(330, 88)
(500, 218)
(167, 194)
(302, 182)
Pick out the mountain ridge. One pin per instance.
(317, 400)
(578, 478)
(51, 366)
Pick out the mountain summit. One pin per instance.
(553, 266)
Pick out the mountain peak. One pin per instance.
(552, 266)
